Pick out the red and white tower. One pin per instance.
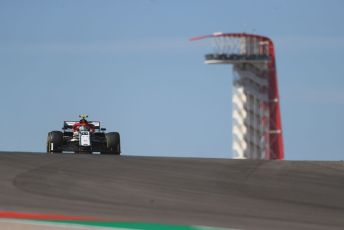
(257, 128)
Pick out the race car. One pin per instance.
(83, 137)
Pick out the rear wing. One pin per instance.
(70, 124)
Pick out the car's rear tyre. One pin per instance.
(54, 142)
(113, 143)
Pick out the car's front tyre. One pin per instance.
(54, 142)
(113, 143)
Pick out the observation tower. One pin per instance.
(257, 128)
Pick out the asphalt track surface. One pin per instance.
(243, 194)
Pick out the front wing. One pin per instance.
(98, 144)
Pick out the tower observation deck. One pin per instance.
(257, 128)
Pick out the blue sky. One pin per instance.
(130, 65)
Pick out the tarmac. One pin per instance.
(240, 194)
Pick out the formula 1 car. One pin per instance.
(83, 137)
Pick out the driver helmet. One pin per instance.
(83, 120)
